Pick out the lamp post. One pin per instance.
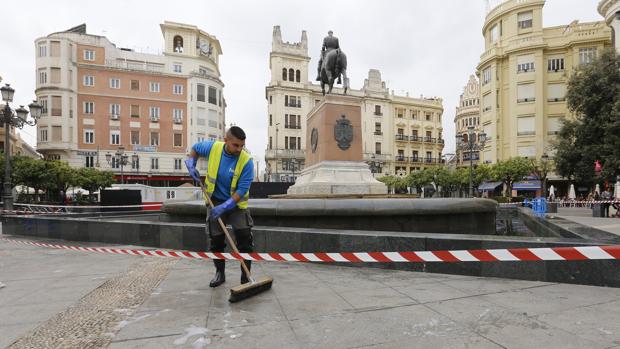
(16, 118)
(471, 145)
(119, 157)
(545, 161)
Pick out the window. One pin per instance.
(554, 123)
(200, 93)
(55, 75)
(116, 162)
(154, 86)
(135, 111)
(89, 80)
(177, 67)
(155, 138)
(524, 20)
(178, 164)
(115, 110)
(399, 113)
(414, 155)
(170, 194)
(42, 135)
(212, 95)
(154, 113)
(494, 34)
(525, 93)
(587, 55)
(42, 76)
(556, 92)
(525, 63)
(177, 89)
(54, 48)
(154, 164)
(43, 103)
(135, 137)
(115, 83)
(428, 116)
(56, 105)
(291, 75)
(555, 64)
(42, 49)
(135, 163)
(89, 55)
(486, 102)
(177, 116)
(270, 99)
(378, 128)
(135, 85)
(89, 161)
(115, 137)
(298, 76)
(284, 75)
(270, 120)
(178, 44)
(89, 136)
(377, 148)
(178, 140)
(486, 76)
(89, 107)
(526, 125)
(429, 156)
(200, 137)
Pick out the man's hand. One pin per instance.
(218, 210)
(190, 163)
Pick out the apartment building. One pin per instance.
(101, 99)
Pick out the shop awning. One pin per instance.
(488, 186)
(526, 185)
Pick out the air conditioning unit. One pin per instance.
(114, 116)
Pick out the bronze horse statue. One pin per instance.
(334, 66)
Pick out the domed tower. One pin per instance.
(610, 10)
(468, 116)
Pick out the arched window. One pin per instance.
(284, 74)
(298, 75)
(465, 137)
(473, 138)
(178, 44)
(291, 75)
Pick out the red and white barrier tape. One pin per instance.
(493, 255)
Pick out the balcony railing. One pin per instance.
(415, 138)
(285, 153)
(400, 137)
(401, 158)
(293, 127)
(378, 133)
(430, 140)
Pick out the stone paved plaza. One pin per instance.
(60, 298)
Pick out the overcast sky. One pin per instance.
(420, 46)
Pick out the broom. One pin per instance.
(254, 286)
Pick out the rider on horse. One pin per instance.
(330, 42)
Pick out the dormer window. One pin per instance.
(178, 44)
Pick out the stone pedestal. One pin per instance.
(334, 158)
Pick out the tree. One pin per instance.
(592, 96)
(511, 170)
(31, 173)
(63, 176)
(418, 179)
(482, 173)
(94, 180)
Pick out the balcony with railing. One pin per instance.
(415, 138)
(135, 65)
(430, 140)
(400, 137)
(401, 158)
(285, 153)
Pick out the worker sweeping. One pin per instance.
(230, 171)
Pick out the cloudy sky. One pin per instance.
(420, 46)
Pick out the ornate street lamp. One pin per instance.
(119, 157)
(16, 118)
(470, 145)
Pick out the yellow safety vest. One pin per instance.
(213, 166)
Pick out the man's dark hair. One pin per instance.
(237, 132)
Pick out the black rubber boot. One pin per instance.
(219, 277)
(244, 278)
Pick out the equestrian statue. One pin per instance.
(332, 64)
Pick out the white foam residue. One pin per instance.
(190, 332)
(131, 321)
(605, 331)
(2, 285)
(237, 335)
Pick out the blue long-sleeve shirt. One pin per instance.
(226, 172)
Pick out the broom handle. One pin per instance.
(230, 240)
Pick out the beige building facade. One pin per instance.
(468, 115)
(98, 98)
(523, 75)
(400, 134)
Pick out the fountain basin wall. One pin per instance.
(442, 216)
